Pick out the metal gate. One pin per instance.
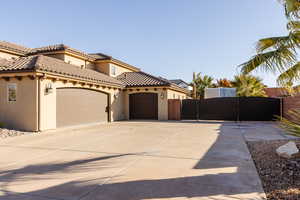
(232, 109)
(258, 108)
(189, 109)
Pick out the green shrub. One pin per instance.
(292, 126)
(1, 124)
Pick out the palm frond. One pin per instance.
(248, 85)
(292, 126)
(273, 61)
(292, 8)
(290, 75)
(292, 41)
(293, 25)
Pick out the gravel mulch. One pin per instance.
(4, 133)
(280, 177)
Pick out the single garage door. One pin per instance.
(143, 106)
(75, 106)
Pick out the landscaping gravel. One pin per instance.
(280, 177)
(4, 133)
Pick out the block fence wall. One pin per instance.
(290, 103)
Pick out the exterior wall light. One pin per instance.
(48, 89)
(162, 95)
(116, 95)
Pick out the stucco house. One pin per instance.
(58, 86)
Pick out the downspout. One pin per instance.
(39, 101)
(39, 104)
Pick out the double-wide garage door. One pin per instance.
(143, 106)
(75, 106)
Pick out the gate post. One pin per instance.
(238, 109)
(198, 109)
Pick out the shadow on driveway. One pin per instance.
(229, 150)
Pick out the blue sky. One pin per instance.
(169, 38)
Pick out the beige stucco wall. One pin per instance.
(48, 102)
(90, 65)
(119, 70)
(57, 56)
(106, 68)
(7, 55)
(102, 67)
(73, 60)
(23, 113)
(162, 102)
(176, 95)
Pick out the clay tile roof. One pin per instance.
(135, 79)
(59, 47)
(100, 56)
(47, 64)
(142, 79)
(14, 47)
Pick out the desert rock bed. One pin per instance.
(280, 177)
(4, 133)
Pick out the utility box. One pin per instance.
(219, 92)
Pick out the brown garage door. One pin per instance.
(143, 106)
(75, 106)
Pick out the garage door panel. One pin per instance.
(80, 106)
(143, 106)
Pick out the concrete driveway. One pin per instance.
(133, 161)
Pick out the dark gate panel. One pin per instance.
(190, 109)
(143, 106)
(218, 109)
(258, 108)
(232, 109)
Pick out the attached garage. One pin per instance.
(143, 106)
(76, 106)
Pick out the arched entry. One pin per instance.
(77, 106)
(143, 106)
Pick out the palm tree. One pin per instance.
(224, 83)
(278, 54)
(202, 82)
(248, 85)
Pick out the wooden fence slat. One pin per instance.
(174, 109)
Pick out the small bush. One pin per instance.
(292, 126)
(1, 124)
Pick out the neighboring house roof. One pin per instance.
(178, 81)
(142, 79)
(59, 47)
(20, 50)
(46, 64)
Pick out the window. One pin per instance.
(12, 92)
(113, 70)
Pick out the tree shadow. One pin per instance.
(229, 150)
